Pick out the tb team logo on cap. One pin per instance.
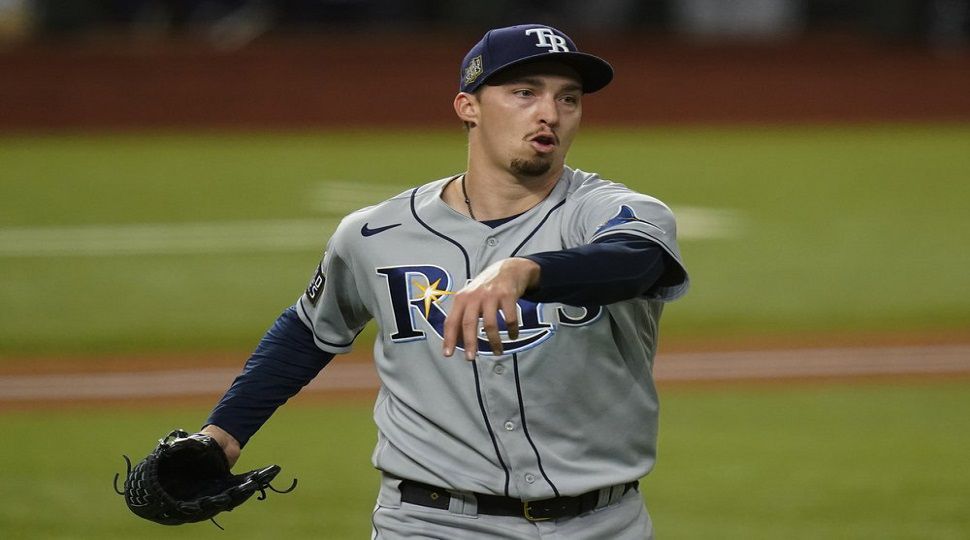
(502, 48)
(548, 38)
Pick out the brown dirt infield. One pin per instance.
(149, 380)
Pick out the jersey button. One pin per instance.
(499, 369)
(530, 478)
(492, 242)
(509, 426)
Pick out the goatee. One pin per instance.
(531, 167)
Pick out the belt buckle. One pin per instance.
(527, 512)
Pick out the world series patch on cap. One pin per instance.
(503, 48)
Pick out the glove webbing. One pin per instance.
(142, 489)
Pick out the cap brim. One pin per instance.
(594, 72)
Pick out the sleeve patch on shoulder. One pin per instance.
(315, 289)
(625, 215)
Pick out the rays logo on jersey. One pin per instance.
(417, 291)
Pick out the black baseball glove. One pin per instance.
(187, 479)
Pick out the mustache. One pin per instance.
(543, 133)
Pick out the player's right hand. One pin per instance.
(498, 287)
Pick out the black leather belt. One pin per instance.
(496, 505)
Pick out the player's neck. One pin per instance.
(486, 196)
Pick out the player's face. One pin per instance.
(528, 118)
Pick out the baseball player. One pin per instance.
(518, 306)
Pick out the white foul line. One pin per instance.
(241, 236)
(333, 198)
(166, 238)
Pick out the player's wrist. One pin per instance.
(226, 441)
(529, 270)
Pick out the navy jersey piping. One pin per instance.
(488, 425)
(474, 364)
(320, 339)
(414, 212)
(515, 362)
(539, 226)
(525, 427)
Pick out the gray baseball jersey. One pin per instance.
(570, 406)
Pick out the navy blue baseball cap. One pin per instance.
(503, 48)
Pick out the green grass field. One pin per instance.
(185, 243)
(738, 462)
(832, 229)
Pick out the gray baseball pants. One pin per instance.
(624, 519)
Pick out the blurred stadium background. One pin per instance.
(170, 171)
(322, 63)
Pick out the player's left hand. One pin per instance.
(187, 479)
(498, 287)
(227, 442)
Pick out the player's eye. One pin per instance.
(570, 99)
(523, 92)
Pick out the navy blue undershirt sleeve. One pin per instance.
(617, 267)
(285, 361)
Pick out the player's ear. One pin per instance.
(466, 107)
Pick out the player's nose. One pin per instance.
(547, 110)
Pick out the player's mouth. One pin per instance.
(543, 143)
